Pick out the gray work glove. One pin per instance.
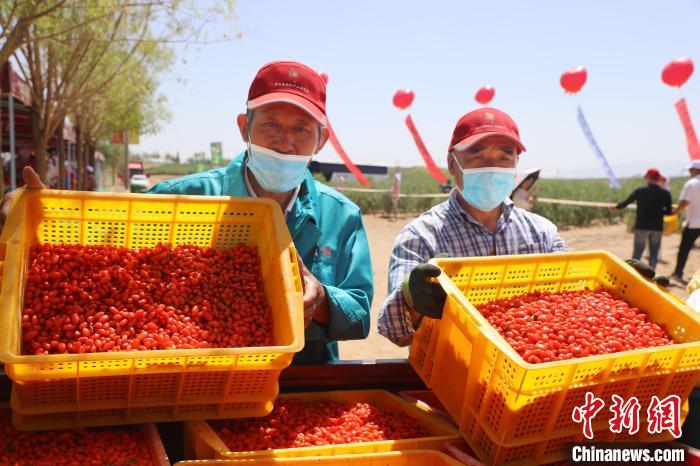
(423, 294)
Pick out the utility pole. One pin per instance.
(127, 181)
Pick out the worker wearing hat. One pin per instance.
(478, 219)
(653, 202)
(524, 194)
(690, 202)
(283, 127)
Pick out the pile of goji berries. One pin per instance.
(99, 446)
(86, 299)
(545, 327)
(295, 423)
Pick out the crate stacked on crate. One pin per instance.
(105, 388)
(413, 428)
(514, 412)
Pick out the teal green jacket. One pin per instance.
(328, 233)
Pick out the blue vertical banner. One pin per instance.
(596, 150)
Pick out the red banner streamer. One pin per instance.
(691, 137)
(346, 160)
(433, 169)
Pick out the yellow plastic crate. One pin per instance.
(514, 412)
(202, 442)
(395, 458)
(70, 390)
(150, 432)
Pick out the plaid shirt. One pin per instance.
(448, 228)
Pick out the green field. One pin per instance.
(416, 180)
(175, 169)
(589, 190)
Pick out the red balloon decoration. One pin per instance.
(324, 77)
(485, 94)
(403, 98)
(573, 79)
(677, 72)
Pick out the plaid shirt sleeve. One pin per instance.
(410, 250)
(558, 244)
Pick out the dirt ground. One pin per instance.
(381, 233)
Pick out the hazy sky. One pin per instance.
(445, 51)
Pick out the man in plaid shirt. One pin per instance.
(478, 219)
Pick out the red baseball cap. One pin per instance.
(653, 173)
(291, 82)
(482, 123)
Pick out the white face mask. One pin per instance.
(486, 188)
(277, 173)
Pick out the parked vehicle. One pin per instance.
(139, 183)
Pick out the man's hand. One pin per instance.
(315, 298)
(423, 294)
(32, 180)
(679, 208)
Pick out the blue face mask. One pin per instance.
(486, 188)
(277, 173)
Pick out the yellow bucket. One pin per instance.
(671, 224)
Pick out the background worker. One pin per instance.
(524, 195)
(653, 202)
(690, 202)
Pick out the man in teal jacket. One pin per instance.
(283, 127)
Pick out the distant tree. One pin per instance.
(73, 51)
